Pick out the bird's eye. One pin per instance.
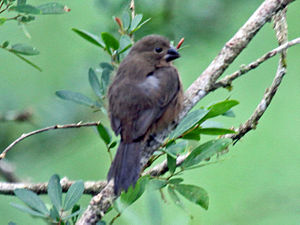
(158, 50)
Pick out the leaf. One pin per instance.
(141, 24)
(95, 83)
(73, 195)
(12, 223)
(193, 193)
(112, 145)
(32, 200)
(101, 222)
(105, 65)
(105, 78)
(55, 192)
(52, 8)
(75, 97)
(156, 184)
(215, 131)
(175, 181)
(205, 151)
(27, 61)
(229, 113)
(134, 193)
(28, 9)
(188, 122)
(220, 108)
(192, 136)
(5, 44)
(24, 49)
(54, 214)
(175, 197)
(2, 21)
(104, 133)
(177, 148)
(125, 43)
(89, 37)
(171, 162)
(110, 41)
(28, 210)
(76, 208)
(21, 2)
(135, 21)
(73, 214)
(126, 20)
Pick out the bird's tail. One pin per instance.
(125, 168)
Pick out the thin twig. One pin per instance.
(7, 6)
(90, 187)
(132, 9)
(54, 127)
(226, 81)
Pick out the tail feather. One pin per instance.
(125, 169)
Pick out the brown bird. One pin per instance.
(145, 97)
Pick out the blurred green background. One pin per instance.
(258, 183)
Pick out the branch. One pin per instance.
(54, 127)
(198, 90)
(90, 187)
(7, 172)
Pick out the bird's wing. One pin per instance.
(135, 108)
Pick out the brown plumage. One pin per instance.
(145, 96)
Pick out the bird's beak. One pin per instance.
(171, 54)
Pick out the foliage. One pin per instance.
(61, 211)
(24, 14)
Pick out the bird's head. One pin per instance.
(155, 49)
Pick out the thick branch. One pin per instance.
(90, 187)
(200, 88)
(66, 126)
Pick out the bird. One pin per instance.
(144, 97)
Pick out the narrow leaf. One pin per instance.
(175, 181)
(89, 37)
(126, 20)
(75, 97)
(175, 197)
(156, 184)
(73, 195)
(125, 43)
(171, 162)
(28, 9)
(110, 41)
(188, 122)
(24, 49)
(32, 200)
(27, 61)
(95, 83)
(105, 65)
(28, 210)
(54, 214)
(205, 151)
(141, 24)
(220, 108)
(229, 113)
(177, 148)
(194, 194)
(215, 131)
(52, 8)
(135, 22)
(104, 133)
(105, 79)
(55, 192)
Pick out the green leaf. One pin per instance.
(55, 192)
(215, 131)
(171, 162)
(175, 197)
(188, 122)
(75, 97)
(126, 20)
(110, 41)
(205, 151)
(28, 9)
(105, 65)
(229, 113)
(104, 133)
(101, 222)
(142, 24)
(52, 8)
(54, 214)
(21, 2)
(28, 210)
(76, 208)
(193, 193)
(156, 184)
(5, 44)
(105, 79)
(27, 61)
(112, 145)
(175, 181)
(192, 136)
(95, 83)
(134, 193)
(177, 148)
(32, 200)
(135, 22)
(24, 49)
(89, 37)
(73, 214)
(220, 108)
(12, 223)
(73, 195)
(125, 43)
(2, 21)
(26, 19)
